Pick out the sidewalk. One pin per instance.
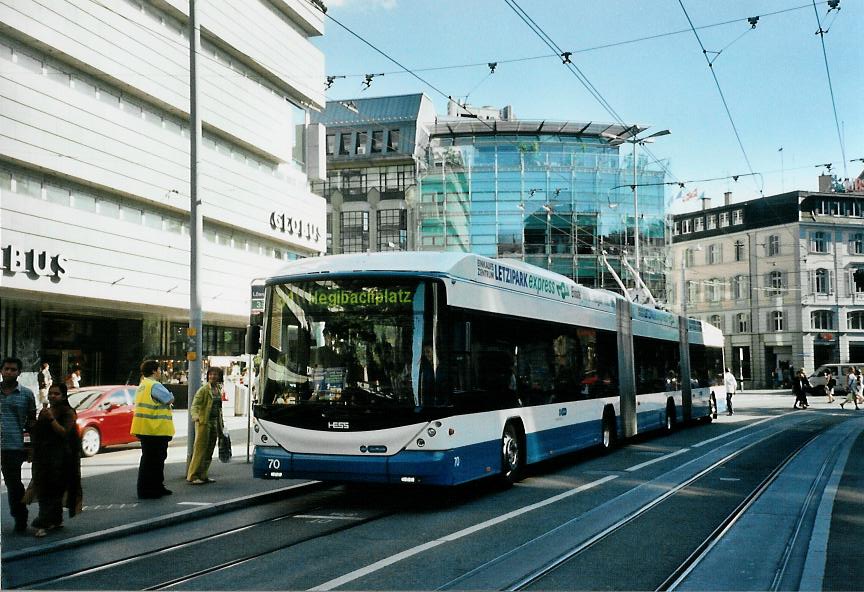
(111, 505)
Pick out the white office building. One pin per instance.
(95, 173)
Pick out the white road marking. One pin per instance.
(364, 571)
(656, 460)
(326, 517)
(727, 434)
(194, 503)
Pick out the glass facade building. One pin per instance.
(553, 194)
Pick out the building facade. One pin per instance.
(782, 276)
(374, 148)
(554, 194)
(95, 174)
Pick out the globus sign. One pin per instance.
(33, 262)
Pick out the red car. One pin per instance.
(104, 415)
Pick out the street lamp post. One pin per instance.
(617, 141)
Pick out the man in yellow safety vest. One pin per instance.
(153, 425)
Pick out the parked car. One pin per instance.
(104, 415)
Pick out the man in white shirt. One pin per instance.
(731, 387)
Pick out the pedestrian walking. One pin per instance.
(851, 389)
(800, 386)
(74, 379)
(731, 387)
(830, 383)
(153, 425)
(17, 415)
(43, 377)
(859, 391)
(206, 412)
(56, 462)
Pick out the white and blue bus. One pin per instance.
(443, 368)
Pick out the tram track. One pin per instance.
(543, 577)
(90, 577)
(578, 536)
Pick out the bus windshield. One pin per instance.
(350, 342)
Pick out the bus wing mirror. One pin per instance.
(253, 339)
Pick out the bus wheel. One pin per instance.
(512, 454)
(671, 420)
(607, 436)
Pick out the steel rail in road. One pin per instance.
(683, 570)
(563, 558)
(304, 488)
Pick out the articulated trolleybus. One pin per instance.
(443, 368)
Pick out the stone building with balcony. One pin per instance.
(782, 276)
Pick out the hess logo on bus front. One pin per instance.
(338, 425)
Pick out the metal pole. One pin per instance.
(636, 212)
(193, 354)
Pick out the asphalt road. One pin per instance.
(742, 503)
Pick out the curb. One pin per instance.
(165, 520)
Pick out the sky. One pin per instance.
(773, 77)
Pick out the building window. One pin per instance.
(777, 324)
(822, 319)
(393, 140)
(355, 232)
(714, 255)
(677, 227)
(856, 277)
(699, 224)
(360, 143)
(773, 245)
(724, 219)
(717, 321)
(742, 322)
(353, 185)
(740, 287)
(739, 250)
(686, 226)
(775, 283)
(737, 217)
(712, 222)
(822, 281)
(392, 230)
(714, 287)
(689, 258)
(819, 242)
(344, 144)
(856, 243)
(692, 291)
(855, 320)
(331, 144)
(377, 141)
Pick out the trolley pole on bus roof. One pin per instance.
(193, 351)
